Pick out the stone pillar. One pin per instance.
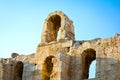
(28, 71)
(108, 64)
(7, 69)
(60, 67)
(1, 71)
(109, 69)
(75, 68)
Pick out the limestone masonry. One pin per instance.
(60, 57)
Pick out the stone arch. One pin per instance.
(47, 68)
(88, 56)
(18, 70)
(57, 21)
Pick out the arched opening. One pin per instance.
(88, 56)
(18, 71)
(54, 23)
(47, 68)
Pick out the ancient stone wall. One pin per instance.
(64, 58)
(104, 51)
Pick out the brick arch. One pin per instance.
(47, 68)
(53, 23)
(88, 55)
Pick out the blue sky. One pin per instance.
(21, 21)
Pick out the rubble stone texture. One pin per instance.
(60, 57)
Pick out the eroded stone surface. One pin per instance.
(64, 58)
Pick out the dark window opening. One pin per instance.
(88, 56)
(47, 68)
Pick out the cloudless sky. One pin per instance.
(21, 21)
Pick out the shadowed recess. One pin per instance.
(47, 68)
(18, 71)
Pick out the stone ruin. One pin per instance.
(60, 57)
